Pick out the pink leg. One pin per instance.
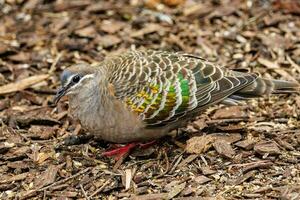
(120, 151)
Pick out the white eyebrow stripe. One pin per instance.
(89, 76)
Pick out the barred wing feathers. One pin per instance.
(162, 87)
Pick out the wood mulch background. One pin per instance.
(240, 152)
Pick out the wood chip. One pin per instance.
(47, 177)
(207, 171)
(108, 41)
(20, 57)
(189, 159)
(201, 179)
(200, 124)
(128, 178)
(224, 148)
(22, 84)
(197, 10)
(230, 112)
(3, 48)
(150, 196)
(18, 177)
(257, 165)
(42, 132)
(63, 194)
(199, 144)
(244, 177)
(150, 28)
(111, 27)
(266, 147)
(176, 190)
(274, 66)
(230, 138)
(284, 144)
(246, 144)
(88, 32)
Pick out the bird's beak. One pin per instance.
(60, 93)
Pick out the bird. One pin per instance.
(140, 96)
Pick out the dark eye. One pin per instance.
(76, 79)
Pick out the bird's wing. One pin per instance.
(163, 87)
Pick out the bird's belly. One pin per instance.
(121, 136)
(114, 124)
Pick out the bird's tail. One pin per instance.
(261, 87)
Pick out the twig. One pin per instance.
(84, 192)
(120, 161)
(293, 64)
(273, 65)
(100, 189)
(53, 66)
(167, 167)
(177, 161)
(65, 180)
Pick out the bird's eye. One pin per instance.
(76, 79)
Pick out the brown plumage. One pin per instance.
(142, 95)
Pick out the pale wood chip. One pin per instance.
(201, 179)
(246, 144)
(266, 147)
(22, 84)
(199, 144)
(17, 177)
(47, 177)
(224, 148)
(176, 190)
(275, 66)
(244, 177)
(150, 28)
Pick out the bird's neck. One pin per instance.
(103, 115)
(91, 104)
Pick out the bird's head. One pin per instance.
(73, 79)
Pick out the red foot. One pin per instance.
(121, 151)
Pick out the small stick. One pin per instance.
(65, 180)
(84, 192)
(100, 189)
(53, 66)
(167, 167)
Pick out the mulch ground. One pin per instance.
(240, 152)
